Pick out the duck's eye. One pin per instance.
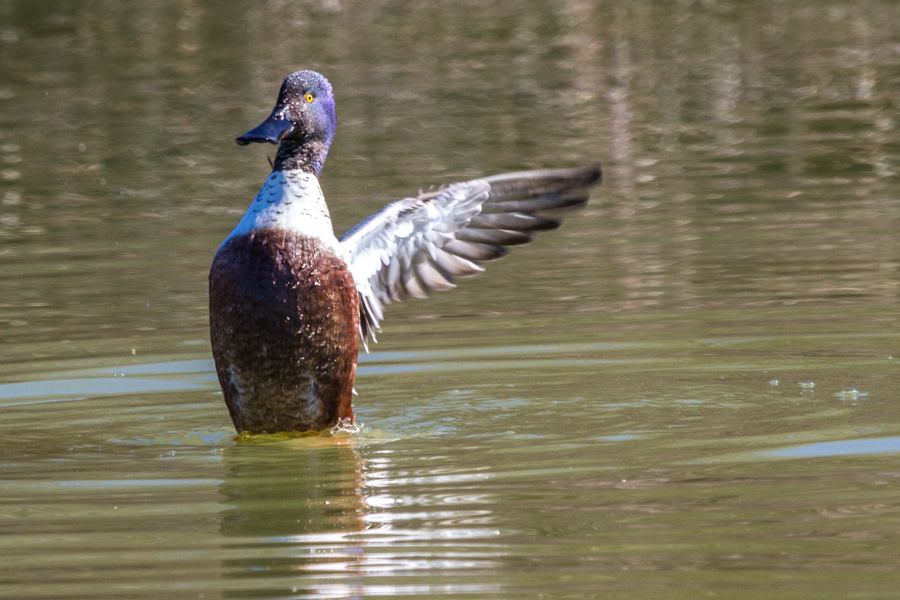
(309, 97)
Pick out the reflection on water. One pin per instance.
(596, 416)
(844, 447)
(312, 517)
(289, 509)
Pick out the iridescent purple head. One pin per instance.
(302, 122)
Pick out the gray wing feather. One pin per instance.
(419, 245)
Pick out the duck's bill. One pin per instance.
(272, 130)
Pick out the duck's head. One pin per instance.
(302, 122)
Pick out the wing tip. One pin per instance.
(595, 174)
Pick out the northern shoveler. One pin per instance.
(289, 302)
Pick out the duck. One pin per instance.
(290, 303)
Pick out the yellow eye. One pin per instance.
(309, 98)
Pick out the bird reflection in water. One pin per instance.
(291, 517)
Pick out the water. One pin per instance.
(651, 402)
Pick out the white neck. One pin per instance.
(291, 201)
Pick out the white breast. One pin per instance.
(291, 201)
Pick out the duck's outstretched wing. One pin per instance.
(418, 245)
